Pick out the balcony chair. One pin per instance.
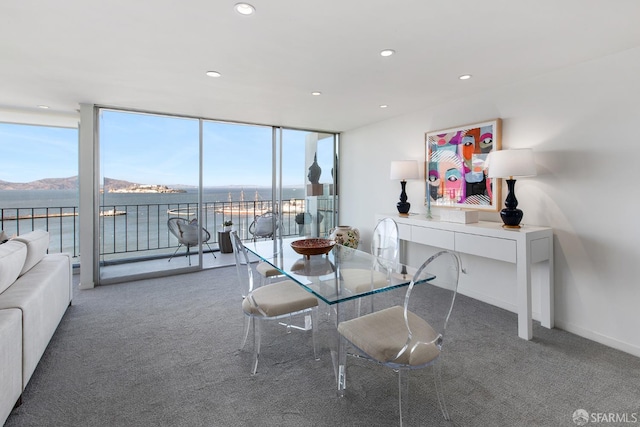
(264, 226)
(280, 300)
(410, 336)
(187, 234)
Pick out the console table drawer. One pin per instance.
(433, 237)
(488, 247)
(404, 232)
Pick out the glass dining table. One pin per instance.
(343, 274)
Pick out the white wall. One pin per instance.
(39, 117)
(582, 123)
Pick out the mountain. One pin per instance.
(111, 184)
(70, 183)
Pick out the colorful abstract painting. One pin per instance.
(455, 167)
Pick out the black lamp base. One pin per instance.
(403, 205)
(403, 208)
(511, 215)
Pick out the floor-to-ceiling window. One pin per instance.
(237, 173)
(308, 182)
(149, 173)
(154, 168)
(39, 183)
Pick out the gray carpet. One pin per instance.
(164, 352)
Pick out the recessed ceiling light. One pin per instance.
(384, 106)
(465, 77)
(316, 93)
(44, 107)
(213, 74)
(244, 8)
(387, 52)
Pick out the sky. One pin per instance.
(29, 153)
(151, 149)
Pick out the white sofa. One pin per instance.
(35, 291)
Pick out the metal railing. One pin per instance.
(60, 222)
(140, 230)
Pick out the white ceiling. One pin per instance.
(152, 55)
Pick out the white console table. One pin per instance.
(523, 247)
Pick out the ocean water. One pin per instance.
(139, 223)
(69, 198)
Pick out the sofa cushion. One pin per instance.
(43, 295)
(37, 243)
(12, 257)
(10, 360)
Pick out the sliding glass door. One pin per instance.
(251, 171)
(149, 175)
(237, 175)
(171, 189)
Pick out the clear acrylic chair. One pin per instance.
(281, 300)
(411, 336)
(385, 245)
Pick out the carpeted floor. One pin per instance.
(164, 352)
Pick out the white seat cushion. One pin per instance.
(359, 280)
(278, 299)
(43, 296)
(12, 257)
(37, 243)
(267, 270)
(10, 360)
(264, 225)
(382, 335)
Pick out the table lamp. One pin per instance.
(404, 170)
(509, 164)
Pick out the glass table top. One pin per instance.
(341, 275)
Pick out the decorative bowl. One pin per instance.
(318, 266)
(308, 247)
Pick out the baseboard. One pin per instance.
(599, 338)
(18, 402)
(493, 301)
(565, 326)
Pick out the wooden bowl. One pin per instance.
(318, 266)
(308, 247)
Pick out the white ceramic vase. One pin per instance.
(345, 235)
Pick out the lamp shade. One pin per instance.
(404, 169)
(511, 163)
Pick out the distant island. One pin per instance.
(71, 183)
(145, 188)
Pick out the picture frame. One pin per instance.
(456, 167)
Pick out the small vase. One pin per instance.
(346, 236)
(314, 171)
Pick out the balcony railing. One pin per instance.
(60, 222)
(140, 230)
